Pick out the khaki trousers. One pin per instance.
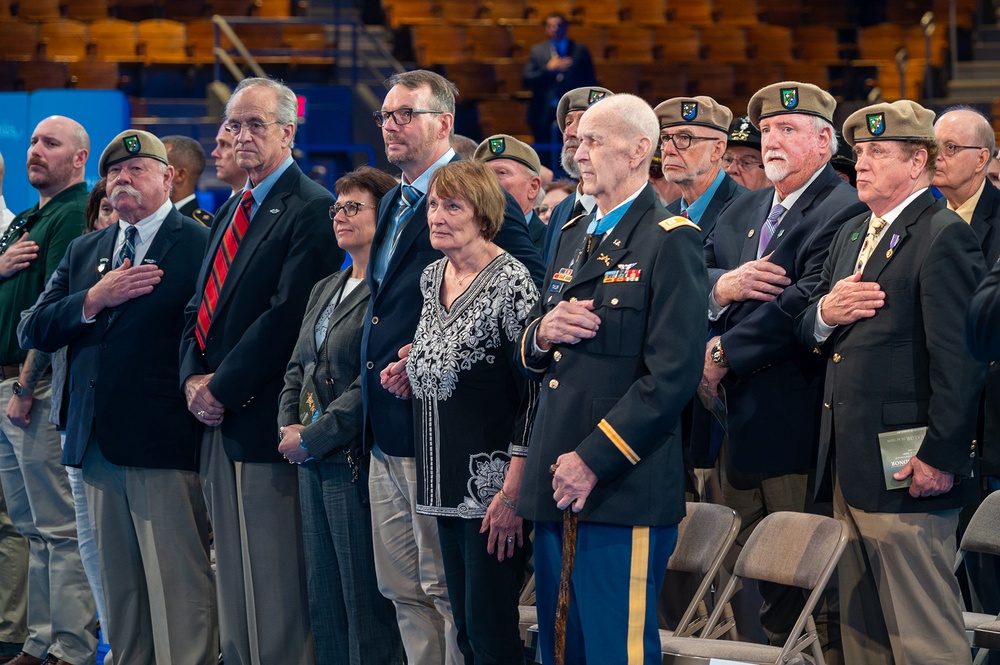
(13, 579)
(899, 600)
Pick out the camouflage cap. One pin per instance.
(791, 97)
(504, 146)
(904, 120)
(131, 143)
(700, 111)
(579, 99)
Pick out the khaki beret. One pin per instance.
(742, 132)
(701, 111)
(899, 121)
(791, 97)
(504, 146)
(131, 143)
(579, 99)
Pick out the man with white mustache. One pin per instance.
(764, 258)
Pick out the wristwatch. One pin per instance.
(718, 355)
(19, 390)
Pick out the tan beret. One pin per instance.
(899, 121)
(504, 146)
(791, 97)
(131, 143)
(701, 111)
(579, 99)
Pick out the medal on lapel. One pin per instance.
(892, 245)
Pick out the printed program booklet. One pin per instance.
(897, 448)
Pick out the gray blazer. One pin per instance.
(335, 370)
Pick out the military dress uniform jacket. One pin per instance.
(728, 190)
(123, 367)
(774, 387)
(288, 247)
(905, 367)
(616, 399)
(394, 309)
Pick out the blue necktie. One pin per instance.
(408, 199)
(128, 248)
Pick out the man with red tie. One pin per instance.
(268, 246)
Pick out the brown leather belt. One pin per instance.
(9, 371)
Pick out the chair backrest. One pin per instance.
(982, 534)
(794, 549)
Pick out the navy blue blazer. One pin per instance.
(560, 215)
(394, 309)
(774, 384)
(288, 247)
(123, 368)
(728, 190)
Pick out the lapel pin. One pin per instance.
(617, 242)
(781, 232)
(892, 245)
(605, 258)
(102, 265)
(750, 234)
(855, 235)
(274, 211)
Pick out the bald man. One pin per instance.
(61, 614)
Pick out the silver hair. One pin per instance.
(634, 118)
(818, 125)
(286, 104)
(985, 135)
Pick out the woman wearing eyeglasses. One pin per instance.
(320, 425)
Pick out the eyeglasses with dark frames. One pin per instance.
(400, 116)
(951, 149)
(745, 163)
(682, 140)
(255, 127)
(350, 208)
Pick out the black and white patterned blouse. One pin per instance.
(470, 402)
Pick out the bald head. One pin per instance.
(967, 145)
(57, 156)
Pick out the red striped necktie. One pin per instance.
(220, 267)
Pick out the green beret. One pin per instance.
(742, 132)
(899, 121)
(579, 99)
(791, 97)
(131, 143)
(505, 146)
(701, 111)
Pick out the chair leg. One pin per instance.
(981, 655)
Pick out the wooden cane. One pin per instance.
(562, 604)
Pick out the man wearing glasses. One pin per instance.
(764, 258)
(417, 120)
(692, 142)
(269, 245)
(967, 145)
(742, 160)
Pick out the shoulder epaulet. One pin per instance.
(572, 222)
(671, 223)
(203, 217)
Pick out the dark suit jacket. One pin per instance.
(288, 247)
(560, 215)
(394, 309)
(547, 88)
(983, 325)
(907, 366)
(123, 368)
(774, 385)
(536, 229)
(335, 370)
(616, 399)
(728, 190)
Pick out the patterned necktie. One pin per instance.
(770, 226)
(128, 247)
(871, 239)
(408, 199)
(220, 266)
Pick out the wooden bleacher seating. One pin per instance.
(662, 82)
(645, 12)
(64, 40)
(490, 42)
(234, 7)
(630, 44)
(42, 74)
(114, 40)
(8, 76)
(475, 80)
(410, 12)
(594, 36)
(18, 40)
(770, 43)
(691, 12)
(600, 12)
(619, 76)
(135, 10)
(736, 12)
(94, 74)
(539, 9)
(816, 43)
(888, 78)
(508, 116)
(753, 75)
(309, 43)
(5, 15)
(505, 11)
(508, 76)
(463, 11)
(439, 44)
(201, 40)
(717, 80)
(163, 41)
(880, 42)
(725, 43)
(816, 73)
(86, 10)
(38, 10)
(274, 8)
(186, 10)
(788, 13)
(676, 42)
